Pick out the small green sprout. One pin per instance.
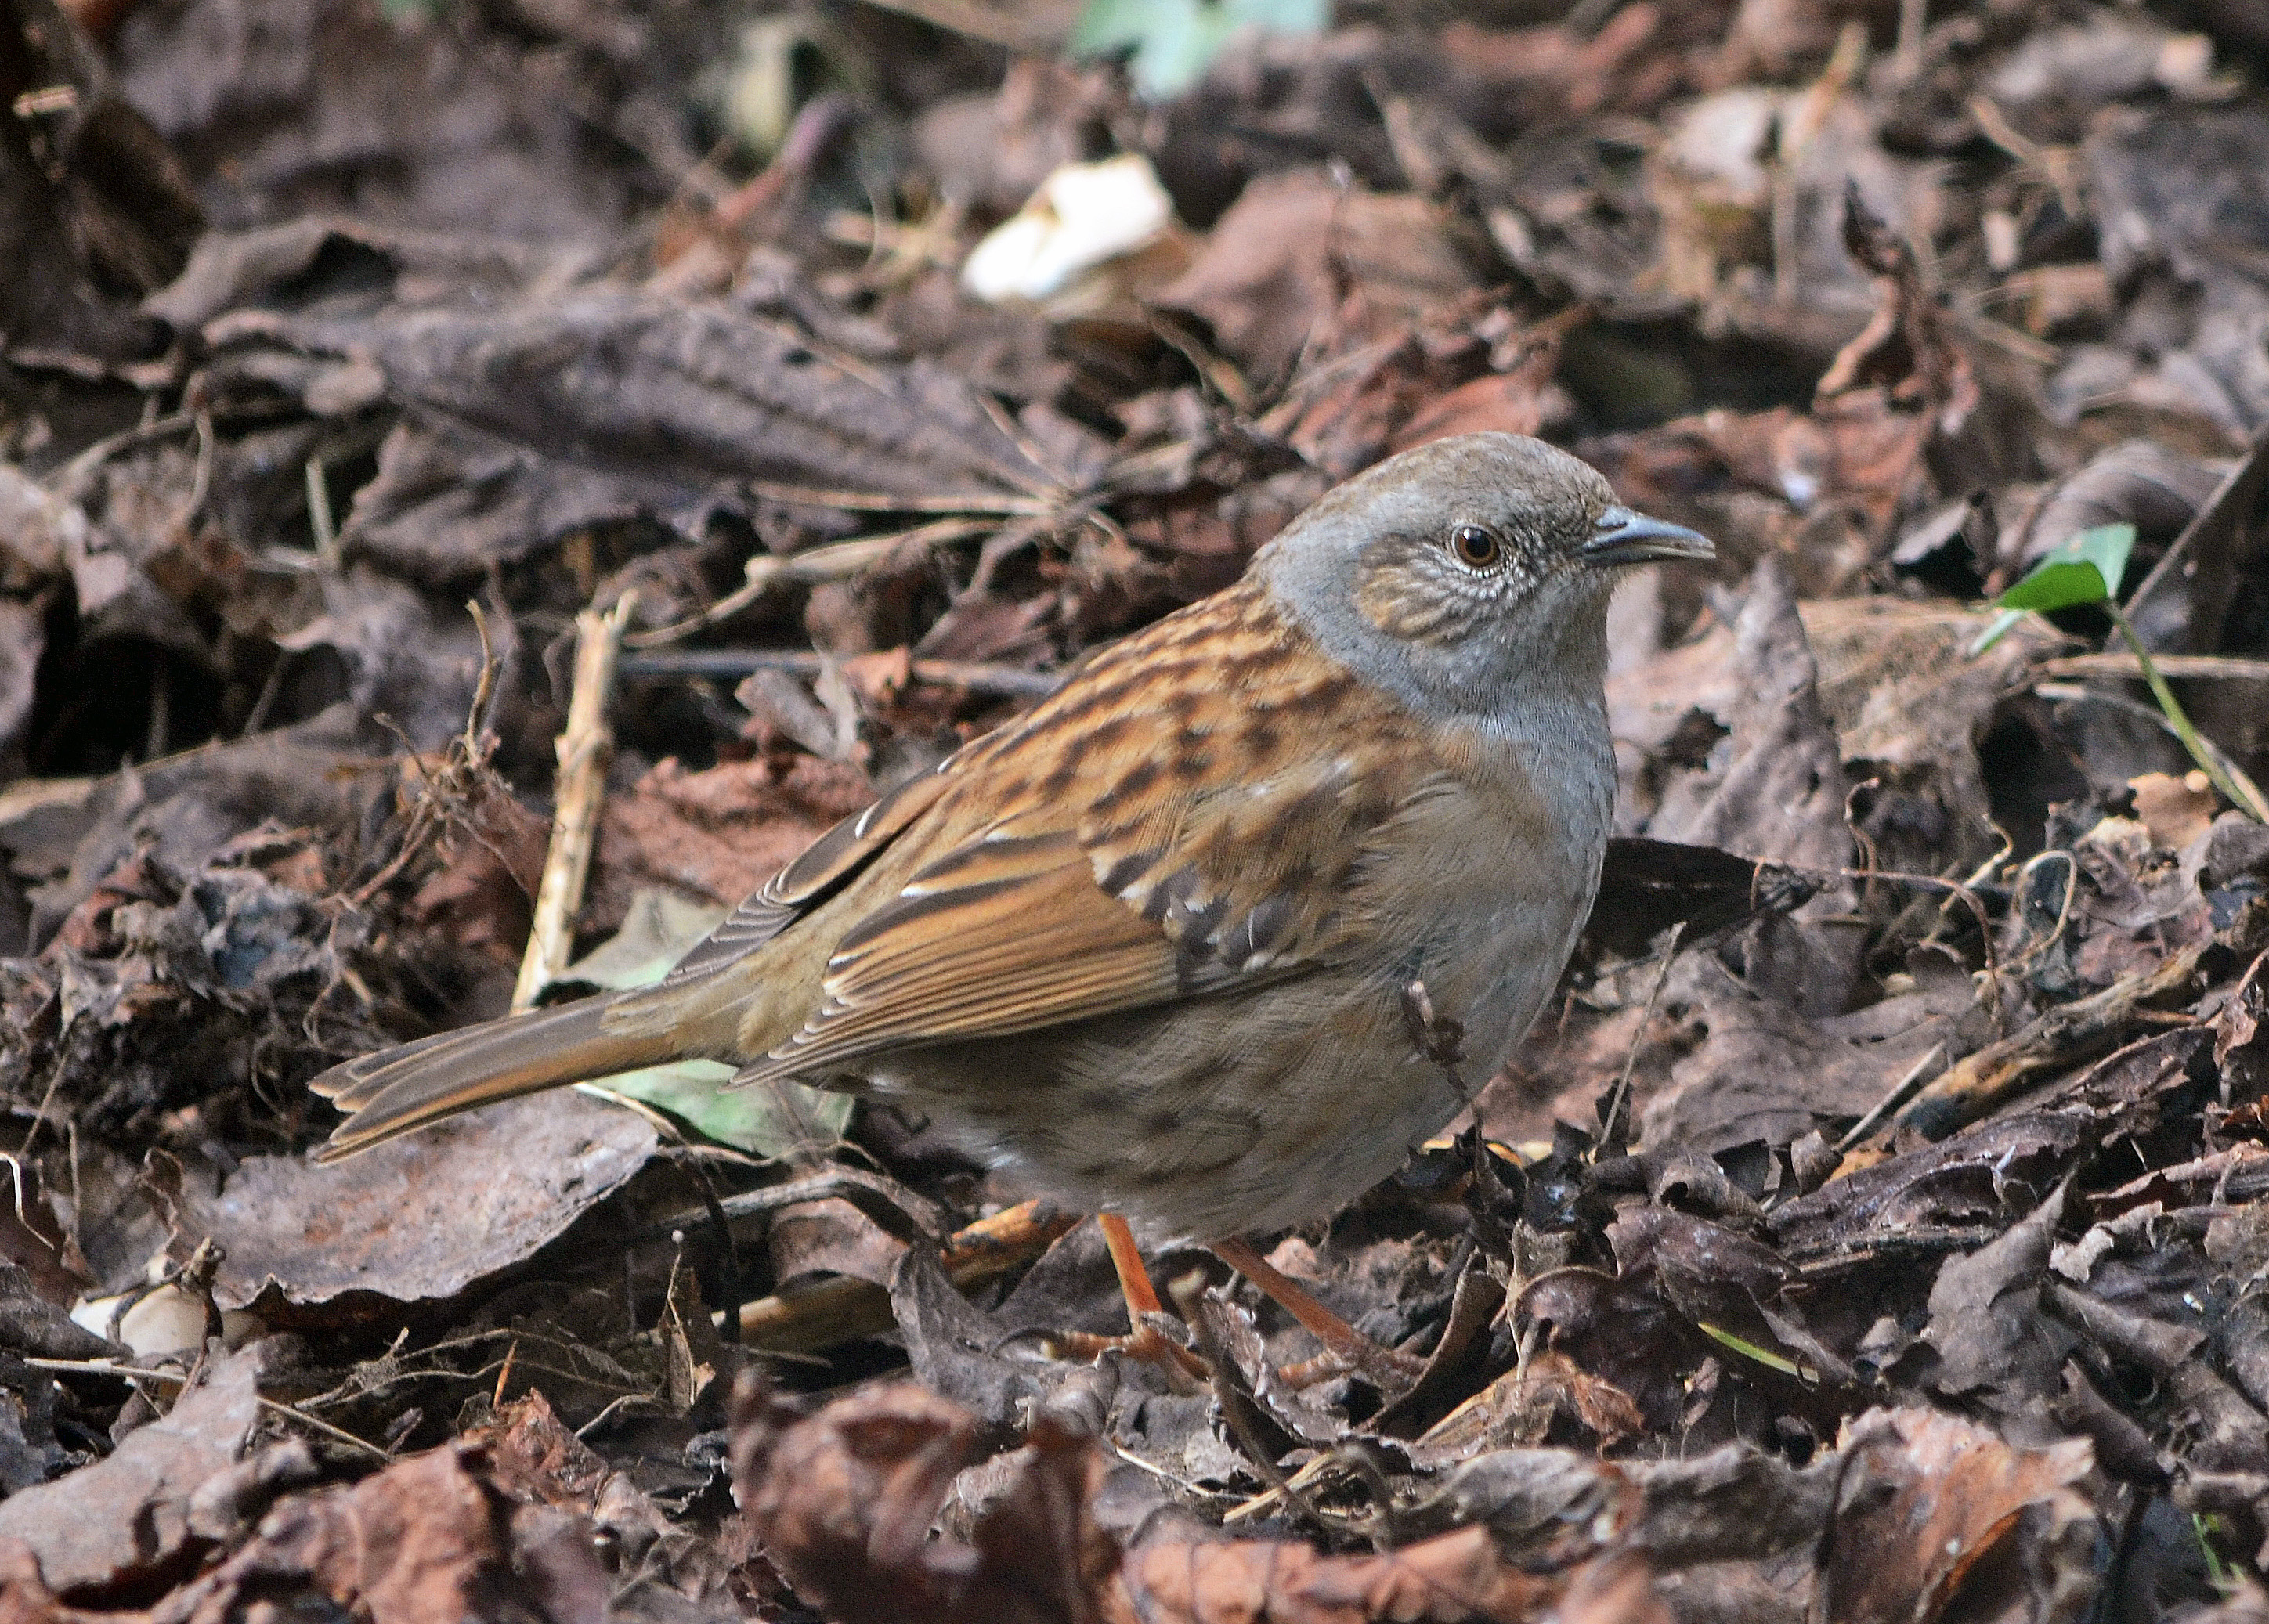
(2087, 570)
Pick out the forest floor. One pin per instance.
(1876, 1229)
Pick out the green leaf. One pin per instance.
(2087, 569)
(1995, 632)
(1764, 1356)
(781, 1120)
(1174, 42)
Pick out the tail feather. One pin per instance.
(396, 1091)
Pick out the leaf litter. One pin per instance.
(1872, 1228)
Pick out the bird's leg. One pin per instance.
(1146, 1341)
(1342, 1341)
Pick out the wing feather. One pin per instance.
(1130, 871)
(824, 867)
(1014, 934)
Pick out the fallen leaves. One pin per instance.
(1716, 1329)
(126, 1524)
(1925, 1500)
(504, 1183)
(844, 1500)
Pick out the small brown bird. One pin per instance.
(1146, 948)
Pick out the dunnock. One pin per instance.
(1146, 947)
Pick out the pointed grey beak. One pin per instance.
(1626, 537)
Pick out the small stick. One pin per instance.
(319, 521)
(845, 1309)
(585, 750)
(2227, 668)
(1613, 1130)
(1904, 1089)
(1973, 1085)
(984, 678)
(1230, 1399)
(274, 1406)
(836, 561)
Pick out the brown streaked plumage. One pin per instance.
(1146, 946)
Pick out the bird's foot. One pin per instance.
(1345, 1348)
(1148, 1344)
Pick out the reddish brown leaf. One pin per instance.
(1926, 1497)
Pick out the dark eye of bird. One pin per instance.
(1476, 546)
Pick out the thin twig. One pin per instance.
(1619, 1100)
(274, 1406)
(843, 1309)
(985, 677)
(2212, 668)
(1235, 1406)
(66, 478)
(882, 502)
(2227, 777)
(813, 566)
(2071, 692)
(320, 522)
(1973, 1085)
(1906, 54)
(584, 750)
(1957, 890)
(2024, 960)
(1900, 1092)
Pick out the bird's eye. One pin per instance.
(1476, 546)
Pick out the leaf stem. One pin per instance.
(2235, 785)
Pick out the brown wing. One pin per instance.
(1131, 868)
(823, 867)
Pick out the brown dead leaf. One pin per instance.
(423, 1217)
(2175, 810)
(414, 1542)
(101, 209)
(427, 1539)
(1901, 383)
(1453, 1576)
(1751, 1068)
(2241, 1032)
(1910, 706)
(1641, 55)
(1624, 1350)
(1374, 379)
(1520, 1405)
(486, 867)
(534, 1457)
(1777, 790)
(831, 1237)
(715, 835)
(1518, 402)
(845, 1500)
(1925, 1499)
(124, 1521)
(1280, 263)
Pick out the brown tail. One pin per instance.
(396, 1091)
